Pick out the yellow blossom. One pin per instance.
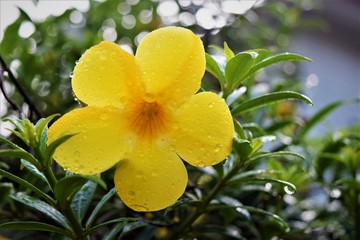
(144, 114)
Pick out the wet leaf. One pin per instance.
(38, 226)
(82, 199)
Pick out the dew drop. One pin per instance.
(289, 190)
(77, 62)
(131, 193)
(217, 148)
(211, 105)
(103, 56)
(81, 167)
(71, 74)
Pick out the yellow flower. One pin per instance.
(144, 114)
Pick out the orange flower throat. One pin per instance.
(148, 119)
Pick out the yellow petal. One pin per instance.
(150, 179)
(105, 75)
(171, 62)
(100, 142)
(205, 130)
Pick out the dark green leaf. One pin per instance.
(11, 144)
(82, 199)
(42, 124)
(268, 99)
(22, 154)
(124, 219)
(277, 154)
(41, 206)
(242, 148)
(276, 59)
(239, 130)
(38, 226)
(237, 69)
(114, 231)
(66, 188)
(28, 185)
(33, 170)
(98, 207)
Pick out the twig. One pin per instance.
(12, 103)
(21, 89)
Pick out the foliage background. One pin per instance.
(326, 202)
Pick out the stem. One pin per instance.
(78, 230)
(202, 209)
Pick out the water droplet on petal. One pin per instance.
(201, 164)
(131, 193)
(77, 62)
(103, 56)
(81, 167)
(217, 148)
(71, 74)
(289, 190)
(77, 154)
(211, 105)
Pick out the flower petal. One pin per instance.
(150, 179)
(171, 62)
(105, 75)
(205, 130)
(100, 139)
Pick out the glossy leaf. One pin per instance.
(28, 185)
(285, 154)
(118, 220)
(283, 57)
(237, 69)
(33, 170)
(42, 124)
(42, 207)
(82, 199)
(52, 147)
(268, 99)
(99, 206)
(31, 225)
(242, 148)
(229, 54)
(213, 68)
(66, 188)
(22, 154)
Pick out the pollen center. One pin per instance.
(148, 120)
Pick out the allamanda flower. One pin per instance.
(143, 113)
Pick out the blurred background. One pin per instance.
(52, 35)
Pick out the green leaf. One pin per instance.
(251, 173)
(213, 67)
(22, 154)
(41, 206)
(33, 170)
(41, 125)
(114, 231)
(28, 185)
(237, 69)
(283, 224)
(239, 130)
(277, 154)
(98, 207)
(66, 188)
(229, 54)
(242, 148)
(38, 226)
(268, 99)
(11, 144)
(82, 199)
(283, 57)
(118, 220)
(288, 187)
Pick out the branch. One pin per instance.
(21, 89)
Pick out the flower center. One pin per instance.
(148, 119)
